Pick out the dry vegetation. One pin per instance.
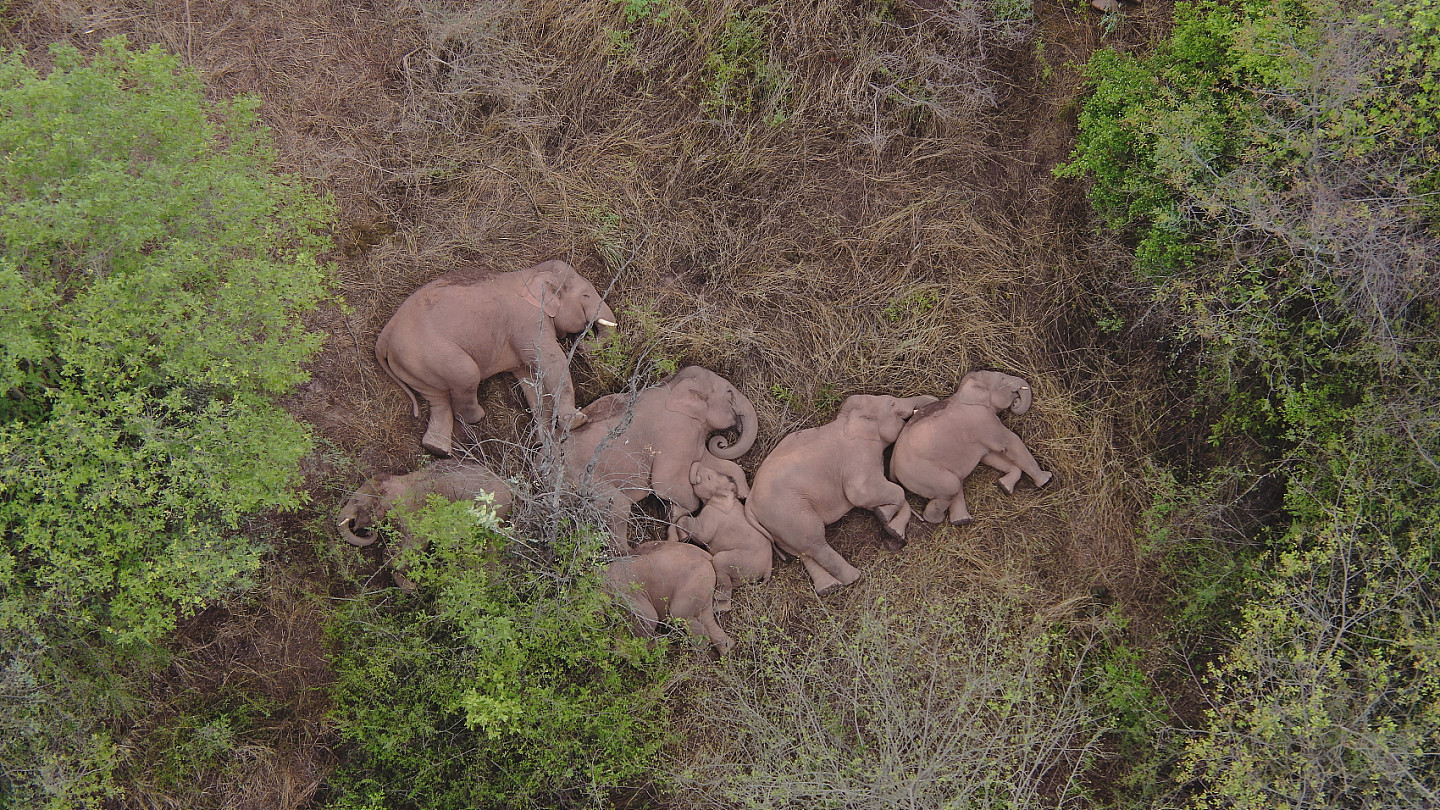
(858, 201)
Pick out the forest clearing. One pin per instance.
(1199, 242)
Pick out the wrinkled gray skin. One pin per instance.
(399, 496)
(631, 445)
(662, 579)
(944, 443)
(456, 331)
(741, 552)
(813, 477)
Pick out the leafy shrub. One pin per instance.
(508, 683)
(152, 275)
(153, 271)
(959, 704)
(1271, 162)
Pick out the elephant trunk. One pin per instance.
(1023, 404)
(747, 422)
(347, 530)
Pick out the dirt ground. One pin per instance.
(857, 246)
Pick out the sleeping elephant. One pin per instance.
(633, 444)
(813, 477)
(399, 496)
(741, 552)
(457, 330)
(660, 580)
(944, 443)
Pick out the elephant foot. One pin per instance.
(890, 540)
(1006, 487)
(573, 421)
(1045, 478)
(934, 511)
(723, 604)
(828, 589)
(962, 520)
(436, 443)
(471, 416)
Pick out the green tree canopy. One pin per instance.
(153, 273)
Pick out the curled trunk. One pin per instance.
(747, 422)
(1023, 404)
(347, 531)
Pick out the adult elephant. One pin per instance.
(633, 444)
(944, 443)
(813, 477)
(398, 497)
(458, 330)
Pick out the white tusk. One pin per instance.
(604, 322)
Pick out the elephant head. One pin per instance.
(366, 508)
(866, 416)
(710, 399)
(710, 484)
(569, 300)
(997, 390)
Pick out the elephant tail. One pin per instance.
(383, 358)
(755, 524)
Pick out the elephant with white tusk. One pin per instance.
(660, 580)
(944, 443)
(400, 496)
(742, 553)
(457, 330)
(633, 444)
(813, 477)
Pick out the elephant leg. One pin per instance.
(644, 618)
(438, 438)
(1009, 472)
(707, 626)
(829, 572)
(959, 513)
(883, 497)
(1018, 456)
(940, 482)
(465, 399)
(678, 517)
(557, 391)
(725, 581)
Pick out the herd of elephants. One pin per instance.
(668, 441)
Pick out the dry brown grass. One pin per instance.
(871, 212)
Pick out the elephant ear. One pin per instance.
(685, 396)
(543, 289)
(858, 418)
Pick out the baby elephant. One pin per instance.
(741, 552)
(400, 496)
(942, 444)
(662, 579)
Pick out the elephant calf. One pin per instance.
(662, 579)
(400, 496)
(742, 553)
(944, 443)
(815, 476)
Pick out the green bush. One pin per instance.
(1272, 163)
(507, 682)
(153, 271)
